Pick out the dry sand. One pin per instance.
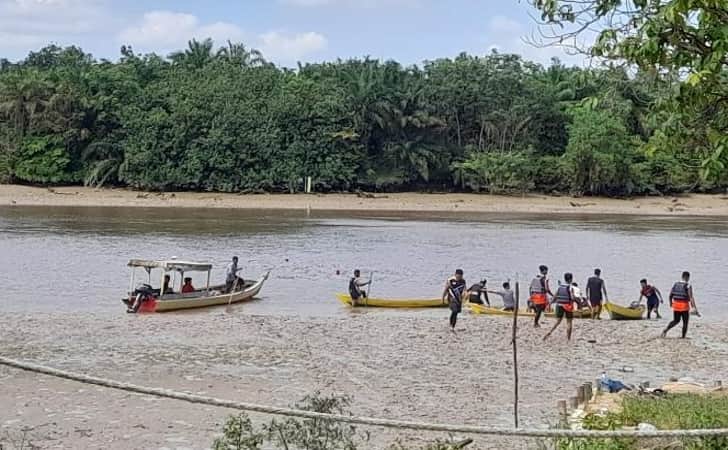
(708, 205)
(395, 367)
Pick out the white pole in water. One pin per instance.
(308, 185)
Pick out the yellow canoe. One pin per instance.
(492, 311)
(489, 310)
(617, 312)
(394, 303)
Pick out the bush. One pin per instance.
(43, 159)
(497, 172)
(239, 433)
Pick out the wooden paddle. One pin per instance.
(228, 309)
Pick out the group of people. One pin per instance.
(566, 298)
(232, 280)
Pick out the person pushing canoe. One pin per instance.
(653, 296)
(681, 299)
(478, 293)
(539, 292)
(596, 293)
(355, 287)
(454, 292)
(564, 300)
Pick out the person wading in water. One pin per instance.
(681, 299)
(564, 300)
(539, 292)
(454, 290)
(596, 293)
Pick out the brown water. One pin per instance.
(75, 258)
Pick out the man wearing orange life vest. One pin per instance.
(681, 299)
(539, 291)
(564, 300)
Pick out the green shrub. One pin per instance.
(496, 172)
(43, 159)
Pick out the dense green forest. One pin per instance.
(225, 119)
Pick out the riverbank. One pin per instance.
(684, 205)
(405, 367)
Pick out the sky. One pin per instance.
(286, 31)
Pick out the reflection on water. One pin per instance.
(75, 258)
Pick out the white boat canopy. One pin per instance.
(179, 266)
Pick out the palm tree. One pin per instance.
(239, 55)
(197, 55)
(23, 97)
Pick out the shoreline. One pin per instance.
(394, 367)
(714, 205)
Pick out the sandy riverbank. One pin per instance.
(394, 367)
(686, 205)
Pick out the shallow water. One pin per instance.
(75, 258)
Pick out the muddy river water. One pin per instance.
(75, 258)
(63, 271)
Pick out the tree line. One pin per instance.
(225, 119)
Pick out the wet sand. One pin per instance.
(406, 367)
(685, 205)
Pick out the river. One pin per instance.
(75, 258)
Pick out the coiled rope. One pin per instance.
(377, 422)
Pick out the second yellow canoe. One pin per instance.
(394, 302)
(489, 310)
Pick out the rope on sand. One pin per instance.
(377, 422)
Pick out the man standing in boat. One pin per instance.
(355, 287)
(454, 291)
(232, 280)
(565, 298)
(596, 293)
(539, 292)
(681, 299)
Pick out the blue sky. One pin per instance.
(287, 31)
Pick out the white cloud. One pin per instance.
(29, 24)
(287, 48)
(169, 30)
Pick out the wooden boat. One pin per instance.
(157, 301)
(394, 303)
(494, 311)
(617, 312)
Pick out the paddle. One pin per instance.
(228, 309)
(369, 287)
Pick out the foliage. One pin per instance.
(43, 160)
(600, 153)
(303, 434)
(673, 412)
(683, 42)
(497, 172)
(224, 119)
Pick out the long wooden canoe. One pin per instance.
(617, 312)
(493, 311)
(200, 299)
(393, 302)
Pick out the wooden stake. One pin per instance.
(587, 392)
(515, 357)
(580, 394)
(573, 402)
(563, 412)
